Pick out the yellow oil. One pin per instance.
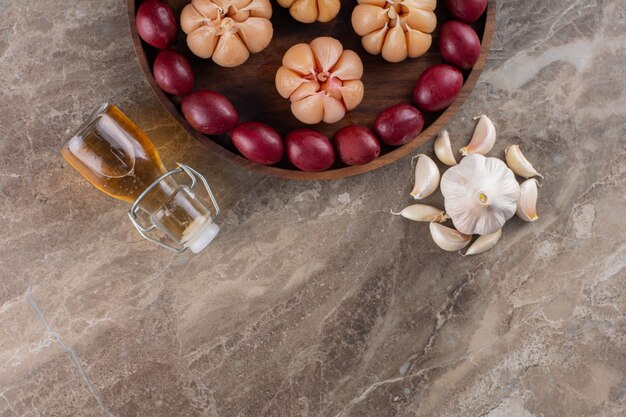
(114, 155)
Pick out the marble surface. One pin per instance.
(314, 301)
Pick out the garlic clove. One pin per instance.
(256, 33)
(304, 11)
(483, 139)
(426, 177)
(518, 163)
(484, 243)
(191, 19)
(238, 15)
(348, 67)
(527, 204)
(443, 148)
(328, 9)
(223, 5)
(202, 41)
(421, 4)
(367, 18)
(422, 213)
(418, 42)
(308, 88)
(448, 239)
(300, 59)
(309, 110)
(239, 4)
(207, 8)
(395, 48)
(230, 51)
(334, 110)
(379, 3)
(373, 42)
(332, 87)
(259, 8)
(326, 51)
(287, 81)
(352, 93)
(418, 19)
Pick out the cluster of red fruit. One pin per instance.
(212, 113)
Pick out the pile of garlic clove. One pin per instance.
(480, 193)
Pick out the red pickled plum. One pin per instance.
(466, 10)
(459, 44)
(356, 145)
(437, 87)
(209, 112)
(399, 124)
(309, 150)
(173, 73)
(258, 142)
(156, 24)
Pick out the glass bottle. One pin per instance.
(112, 153)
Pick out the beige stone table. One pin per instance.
(314, 301)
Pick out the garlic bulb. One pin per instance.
(443, 148)
(527, 204)
(321, 79)
(484, 243)
(422, 213)
(448, 239)
(308, 11)
(426, 177)
(397, 29)
(483, 139)
(480, 194)
(518, 163)
(227, 31)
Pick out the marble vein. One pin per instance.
(68, 349)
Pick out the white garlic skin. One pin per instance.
(483, 139)
(518, 163)
(527, 204)
(426, 177)
(443, 148)
(484, 243)
(480, 194)
(422, 213)
(448, 239)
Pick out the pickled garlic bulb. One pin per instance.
(227, 31)
(397, 29)
(321, 79)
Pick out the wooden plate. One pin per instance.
(251, 86)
